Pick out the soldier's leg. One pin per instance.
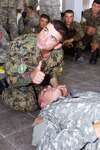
(12, 21)
(79, 51)
(20, 99)
(94, 56)
(43, 10)
(3, 17)
(54, 12)
(2, 56)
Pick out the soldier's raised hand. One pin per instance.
(38, 76)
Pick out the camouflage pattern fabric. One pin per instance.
(8, 16)
(4, 45)
(96, 38)
(30, 23)
(21, 25)
(22, 59)
(68, 124)
(89, 20)
(33, 3)
(51, 8)
(76, 32)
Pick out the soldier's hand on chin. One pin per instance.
(38, 76)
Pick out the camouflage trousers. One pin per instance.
(52, 11)
(2, 55)
(8, 19)
(21, 98)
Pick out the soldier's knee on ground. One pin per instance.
(19, 101)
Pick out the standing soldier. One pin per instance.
(34, 4)
(4, 44)
(8, 17)
(50, 8)
(90, 23)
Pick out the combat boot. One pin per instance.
(78, 54)
(3, 85)
(94, 56)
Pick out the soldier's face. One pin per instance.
(48, 95)
(95, 8)
(43, 22)
(49, 38)
(68, 18)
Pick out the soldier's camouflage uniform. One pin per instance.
(8, 16)
(50, 8)
(34, 30)
(96, 38)
(29, 23)
(68, 124)
(33, 3)
(89, 20)
(4, 45)
(76, 32)
(22, 59)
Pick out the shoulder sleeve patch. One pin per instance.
(38, 120)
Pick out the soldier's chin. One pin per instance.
(40, 46)
(43, 105)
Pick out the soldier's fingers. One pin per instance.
(39, 66)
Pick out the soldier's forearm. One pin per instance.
(54, 82)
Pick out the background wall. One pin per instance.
(77, 6)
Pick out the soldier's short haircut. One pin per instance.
(96, 1)
(30, 7)
(61, 28)
(69, 11)
(45, 16)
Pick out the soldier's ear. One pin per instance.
(58, 46)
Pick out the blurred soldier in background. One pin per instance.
(73, 43)
(31, 20)
(33, 3)
(90, 23)
(8, 16)
(43, 21)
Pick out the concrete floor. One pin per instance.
(16, 127)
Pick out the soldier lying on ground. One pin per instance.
(34, 61)
(70, 123)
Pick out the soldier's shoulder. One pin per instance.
(87, 12)
(57, 51)
(75, 23)
(23, 44)
(24, 39)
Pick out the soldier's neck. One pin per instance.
(45, 54)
